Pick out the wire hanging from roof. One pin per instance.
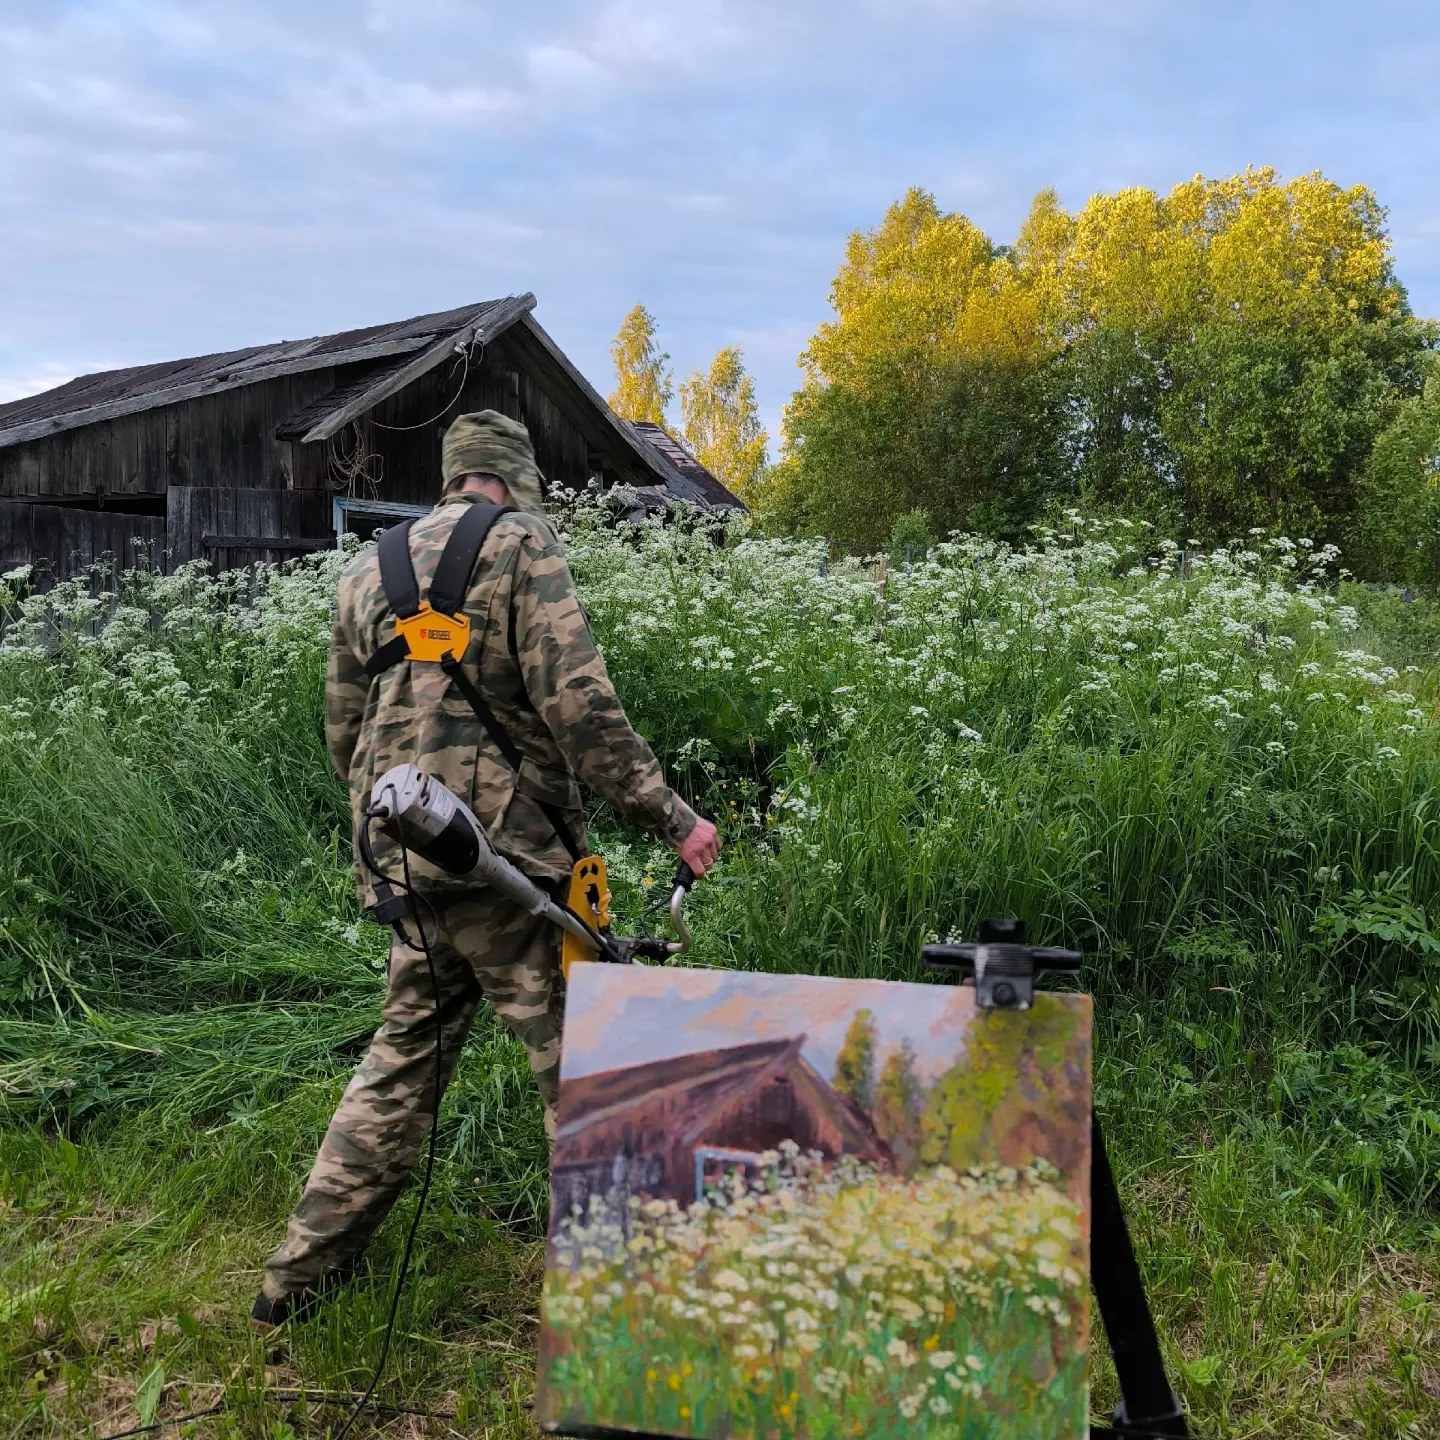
(354, 470)
(453, 399)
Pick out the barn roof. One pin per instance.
(690, 473)
(392, 356)
(111, 394)
(702, 1081)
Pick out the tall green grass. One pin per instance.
(1188, 766)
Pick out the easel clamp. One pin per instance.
(1003, 963)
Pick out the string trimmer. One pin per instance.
(420, 814)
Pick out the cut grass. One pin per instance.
(161, 1272)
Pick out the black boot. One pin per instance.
(267, 1315)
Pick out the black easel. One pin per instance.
(1149, 1406)
(1004, 967)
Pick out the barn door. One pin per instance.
(232, 527)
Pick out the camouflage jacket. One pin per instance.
(535, 661)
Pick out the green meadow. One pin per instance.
(1215, 773)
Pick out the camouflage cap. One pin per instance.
(490, 443)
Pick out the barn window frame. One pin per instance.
(705, 1153)
(343, 505)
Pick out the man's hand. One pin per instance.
(700, 847)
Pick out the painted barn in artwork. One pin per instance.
(265, 453)
(667, 1128)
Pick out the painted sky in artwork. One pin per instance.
(632, 1015)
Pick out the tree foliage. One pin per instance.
(722, 421)
(1398, 529)
(1222, 357)
(643, 386)
(976, 445)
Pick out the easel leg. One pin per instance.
(1148, 1407)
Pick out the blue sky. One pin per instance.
(182, 176)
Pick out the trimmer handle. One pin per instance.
(685, 877)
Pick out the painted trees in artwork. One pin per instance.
(1012, 1097)
(1007, 1100)
(855, 1064)
(899, 1103)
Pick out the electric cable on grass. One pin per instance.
(415, 900)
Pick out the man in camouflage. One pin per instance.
(533, 658)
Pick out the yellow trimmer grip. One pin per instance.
(589, 898)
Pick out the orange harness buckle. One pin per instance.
(431, 635)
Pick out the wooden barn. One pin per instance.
(664, 1129)
(265, 453)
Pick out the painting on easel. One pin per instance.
(794, 1206)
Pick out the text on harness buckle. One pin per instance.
(431, 635)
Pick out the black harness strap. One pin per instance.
(392, 652)
(457, 560)
(447, 596)
(486, 716)
(452, 574)
(397, 573)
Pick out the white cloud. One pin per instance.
(366, 97)
(564, 68)
(43, 377)
(689, 36)
(183, 177)
(82, 99)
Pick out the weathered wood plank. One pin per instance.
(496, 320)
(61, 541)
(297, 424)
(213, 440)
(394, 381)
(406, 430)
(410, 449)
(235, 526)
(581, 405)
(263, 542)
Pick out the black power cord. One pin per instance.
(282, 1397)
(155, 1425)
(415, 900)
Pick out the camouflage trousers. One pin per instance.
(488, 947)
